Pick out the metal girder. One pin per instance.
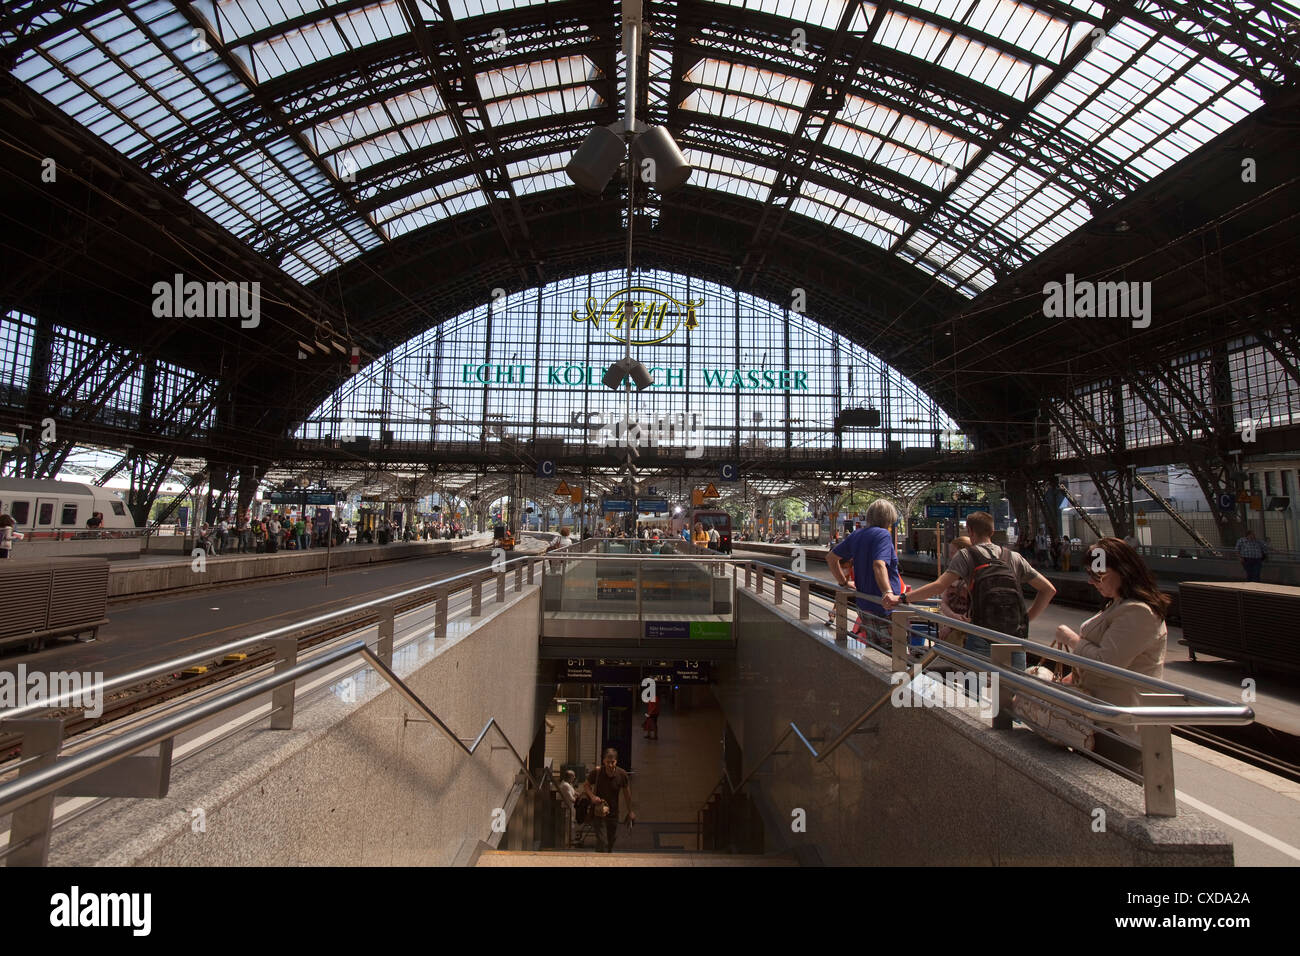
(1007, 132)
(343, 202)
(1268, 61)
(1171, 511)
(1112, 478)
(454, 78)
(145, 482)
(28, 23)
(1079, 510)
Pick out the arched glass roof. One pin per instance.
(963, 136)
(528, 367)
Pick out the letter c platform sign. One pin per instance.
(727, 472)
(546, 468)
(1227, 501)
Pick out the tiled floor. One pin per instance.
(673, 777)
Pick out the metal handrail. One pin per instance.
(42, 783)
(1213, 710)
(180, 663)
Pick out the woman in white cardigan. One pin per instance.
(1129, 632)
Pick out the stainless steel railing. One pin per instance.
(1154, 718)
(40, 776)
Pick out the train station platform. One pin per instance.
(156, 574)
(1276, 694)
(434, 733)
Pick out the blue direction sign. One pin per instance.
(967, 509)
(616, 505)
(655, 505)
(941, 511)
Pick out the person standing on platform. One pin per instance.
(1129, 632)
(875, 567)
(603, 787)
(6, 536)
(701, 537)
(569, 796)
(566, 537)
(1042, 547)
(272, 534)
(652, 719)
(245, 530)
(300, 533)
(1252, 553)
(996, 577)
(955, 602)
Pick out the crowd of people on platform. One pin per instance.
(983, 584)
(277, 531)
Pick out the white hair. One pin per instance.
(881, 514)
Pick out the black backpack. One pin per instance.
(996, 599)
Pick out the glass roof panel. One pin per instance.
(144, 79)
(823, 13)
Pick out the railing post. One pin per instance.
(778, 579)
(842, 617)
(759, 571)
(748, 569)
(531, 565)
(900, 633)
(476, 598)
(501, 587)
(519, 578)
(1000, 654)
(29, 827)
(384, 648)
(803, 600)
(1158, 759)
(286, 656)
(441, 600)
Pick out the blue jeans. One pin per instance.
(1253, 567)
(302, 541)
(980, 647)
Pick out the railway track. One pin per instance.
(159, 690)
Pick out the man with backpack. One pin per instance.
(995, 577)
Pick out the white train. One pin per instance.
(45, 508)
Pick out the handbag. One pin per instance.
(1054, 724)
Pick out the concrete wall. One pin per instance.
(130, 580)
(351, 784)
(926, 786)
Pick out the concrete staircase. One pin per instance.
(587, 858)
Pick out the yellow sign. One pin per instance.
(697, 497)
(575, 494)
(711, 492)
(562, 489)
(655, 315)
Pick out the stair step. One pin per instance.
(588, 858)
